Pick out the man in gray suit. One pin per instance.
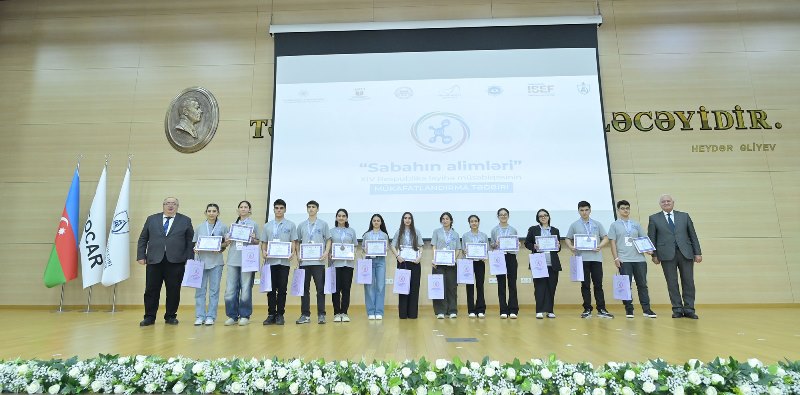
(677, 250)
(164, 246)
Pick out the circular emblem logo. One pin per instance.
(192, 119)
(440, 131)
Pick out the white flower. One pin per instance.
(599, 391)
(723, 361)
(237, 387)
(678, 390)
(754, 363)
(536, 362)
(53, 389)
(267, 363)
(711, 391)
(22, 370)
(627, 391)
(774, 391)
(474, 365)
(225, 375)
(694, 377)
(754, 376)
(321, 390)
(511, 373)
(171, 360)
(34, 387)
(579, 378)
(210, 387)
(294, 388)
(695, 363)
(406, 372)
(564, 391)
(601, 381)
(343, 364)
(489, 371)
(178, 387)
(422, 390)
(652, 373)
(295, 364)
(282, 372)
(380, 371)
(441, 364)
(648, 387)
(74, 372)
(339, 388)
(495, 364)
(123, 360)
(140, 358)
(536, 389)
(717, 379)
(260, 383)
(629, 375)
(84, 381)
(150, 388)
(430, 376)
(97, 385)
(374, 389)
(545, 373)
(119, 389)
(505, 391)
(745, 389)
(480, 391)
(178, 370)
(316, 374)
(464, 370)
(395, 390)
(197, 368)
(612, 365)
(447, 389)
(138, 367)
(780, 372)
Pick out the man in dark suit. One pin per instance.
(164, 246)
(677, 250)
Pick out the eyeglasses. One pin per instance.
(625, 208)
(171, 204)
(543, 216)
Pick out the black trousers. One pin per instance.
(408, 305)
(512, 305)
(276, 299)
(638, 272)
(593, 271)
(318, 273)
(171, 275)
(477, 304)
(448, 305)
(341, 298)
(544, 291)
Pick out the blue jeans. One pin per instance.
(375, 293)
(211, 280)
(239, 293)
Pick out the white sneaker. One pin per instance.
(481, 315)
(209, 321)
(454, 315)
(378, 317)
(512, 316)
(337, 318)
(243, 321)
(471, 315)
(198, 322)
(371, 317)
(229, 322)
(539, 316)
(503, 316)
(440, 316)
(551, 315)
(344, 318)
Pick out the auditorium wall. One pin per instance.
(94, 77)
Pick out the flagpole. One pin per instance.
(114, 300)
(61, 303)
(89, 301)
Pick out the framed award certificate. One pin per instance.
(476, 250)
(240, 233)
(547, 243)
(209, 243)
(311, 251)
(343, 251)
(279, 249)
(508, 243)
(408, 253)
(585, 242)
(444, 257)
(643, 244)
(375, 247)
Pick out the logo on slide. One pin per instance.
(440, 131)
(583, 88)
(403, 92)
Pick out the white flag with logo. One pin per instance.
(93, 239)
(117, 266)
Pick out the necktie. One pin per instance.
(669, 221)
(166, 224)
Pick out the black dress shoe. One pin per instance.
(691, 315)
(147, 322)
(677, 315)
(171, 321)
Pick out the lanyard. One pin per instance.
(448, 236)
(628, 227)
(342, 233)
(211, 232)
(276, 229)
(588, 226)
(545, 231)
(311, 231)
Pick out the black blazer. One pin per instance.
(530, 240)
(177, 245)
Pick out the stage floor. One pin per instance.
(767, 333)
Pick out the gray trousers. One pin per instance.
(448, 305)
(684, 267)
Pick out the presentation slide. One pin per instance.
(466, 132)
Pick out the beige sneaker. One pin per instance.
(345, 318)
(230, 321)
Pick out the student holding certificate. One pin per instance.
(408, 244)
(279, 230)
(375, 293)
(443, 240)
(239, 284)
(503, 236)
(315, 238)
(345, 237)
(629, 261)
(212, 266)
(472, 240)
(586, 233)
(544, 289)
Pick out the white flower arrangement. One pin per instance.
(179, 375)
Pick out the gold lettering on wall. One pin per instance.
(702, 119)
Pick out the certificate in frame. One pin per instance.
(547, 243)
(508, 243)
(476, 250)
(240, 233)
(279, 249)
(310, 251)
(375, 247)
(585, 242)
(343, 251)
(444, 257)
(643, 244)
(209, 243)
(408, 253)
